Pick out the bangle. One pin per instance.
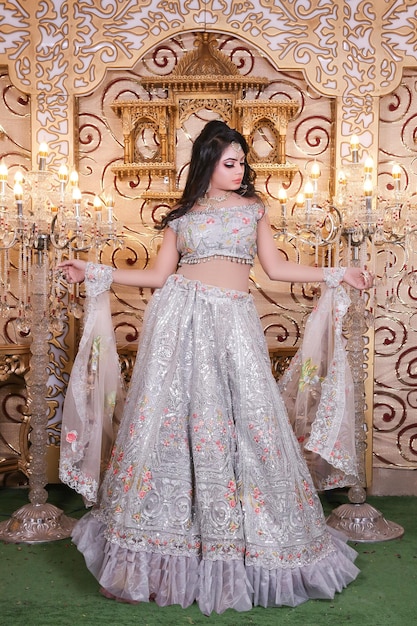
(333, 276)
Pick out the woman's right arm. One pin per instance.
(165, 264)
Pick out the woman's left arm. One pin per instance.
(277, 267)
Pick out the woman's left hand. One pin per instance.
(358, 277)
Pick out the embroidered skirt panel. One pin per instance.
(207, 496)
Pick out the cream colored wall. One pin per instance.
(351, 53)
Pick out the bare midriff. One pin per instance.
(219, 273)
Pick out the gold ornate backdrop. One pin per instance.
(347, 64)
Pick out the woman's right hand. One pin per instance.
(73, 270)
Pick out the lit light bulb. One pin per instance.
(367, 188)
(18, 177)
(300, 199)
(342, 178)
(396, 171)
(368, 191)
(76, 201)
(74, 178)
(42, 154)
(282, 195)
(315, 171)
(97, 204)
(18, 196)
(63, 173)
(369, 165)
(3, 171)
(3, 177)
(308, 190)
(396, 174)
(354, 148)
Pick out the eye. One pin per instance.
(230, 164)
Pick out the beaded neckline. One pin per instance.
(222, 208)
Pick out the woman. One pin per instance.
(207, 496)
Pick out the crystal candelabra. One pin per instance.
(357, 222)
(41, 218)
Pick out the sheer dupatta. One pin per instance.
(94, 396)
(318, 391)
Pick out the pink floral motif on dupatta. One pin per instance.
(93, 394)
(317, 389)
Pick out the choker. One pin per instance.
(205, 201)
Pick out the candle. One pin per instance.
(308, 194)
(368, 167)
(308, 190)
(367, 191)
(63, 173)
(74, 178)
(63, 179)
(354, 148)
(76, 201)
(18, 177)
(109, 205)
(341, 179)
(3, 178)
(315, 174)
(396, 171)
(315, 171)
(97, 203)
(396, 174)
(341, 186)
(18, 195)
(42, 154)
(97, 208)
(282, 197)
(299, 201)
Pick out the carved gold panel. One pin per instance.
(14, 418)
(205, 80)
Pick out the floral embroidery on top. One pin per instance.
(226, 232)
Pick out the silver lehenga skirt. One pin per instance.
(207, 497)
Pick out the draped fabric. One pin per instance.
(93, 400)
(318, 392)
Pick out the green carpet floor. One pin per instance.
(48, 584)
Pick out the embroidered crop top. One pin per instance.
(225, 233)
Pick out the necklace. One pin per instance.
(205, 201)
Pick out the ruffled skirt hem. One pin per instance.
(215, 585)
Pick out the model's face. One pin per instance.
(228, 173)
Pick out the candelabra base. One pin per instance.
(361, 522)
(36, 523)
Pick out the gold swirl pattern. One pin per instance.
(66, 62)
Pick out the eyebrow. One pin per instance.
(234, 158)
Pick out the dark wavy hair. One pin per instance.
(207, 150)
